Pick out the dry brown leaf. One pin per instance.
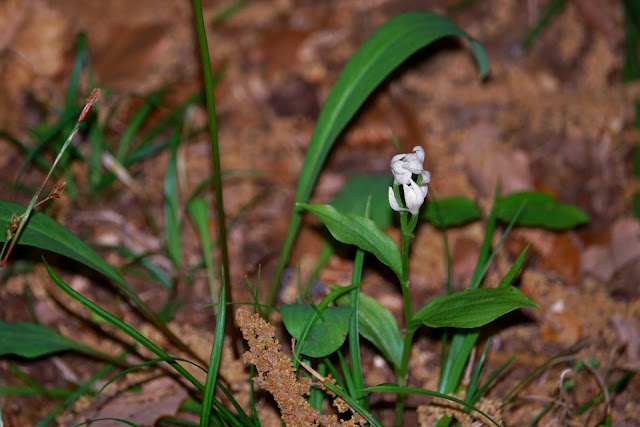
(158, 398)
(604, 261)
(487, 161)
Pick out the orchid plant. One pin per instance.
(470, 308)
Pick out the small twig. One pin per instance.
(602, 384)
(309, 369)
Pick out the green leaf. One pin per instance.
(450, 211)
(31, 340)
(171, 210)
(378, 326)
(354, 196)
(214, 360)
(540, 210)
(631, 67)
(328, 333)
(515, 268)
(387, 48)
(554, 7)
(45, 233)
(360, 231)
(471, 308)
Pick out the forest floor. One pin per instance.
(554, 118)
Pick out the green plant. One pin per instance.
(355, 219)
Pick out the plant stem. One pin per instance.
(215, 156)
(354, 329)
(406, 230)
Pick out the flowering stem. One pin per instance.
(404, 168)
(407, 233)
(354, 330)
(12, 238)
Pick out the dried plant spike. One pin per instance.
(55, 193)
(57, 190)
(276, 373)
(93, 98)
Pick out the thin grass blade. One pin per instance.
(214, 362)
(171, 211)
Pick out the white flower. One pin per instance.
(404, 166)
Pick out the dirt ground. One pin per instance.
(554, 118)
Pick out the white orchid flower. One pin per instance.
(404, 166)
(426, 179)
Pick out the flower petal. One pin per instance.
(419, 152)
(413, 197)
(426, 179)
(394, 203)
(414, 160)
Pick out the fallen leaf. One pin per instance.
(604, 261)
(158, 398)
(488, 160)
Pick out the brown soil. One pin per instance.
(555, 118)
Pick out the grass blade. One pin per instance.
(171, 214)
(215, 152)
(545, 18)
(354, 328)
(197, 208)
(214, 362)
(136, 122)
(124, 327)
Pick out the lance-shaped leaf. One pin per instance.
(361, 189)
(540, 210)
(360, 231)
(515, 268)
(45, 233)
(471, 308)
(378, 326)
(450, 211)
(31, 340)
